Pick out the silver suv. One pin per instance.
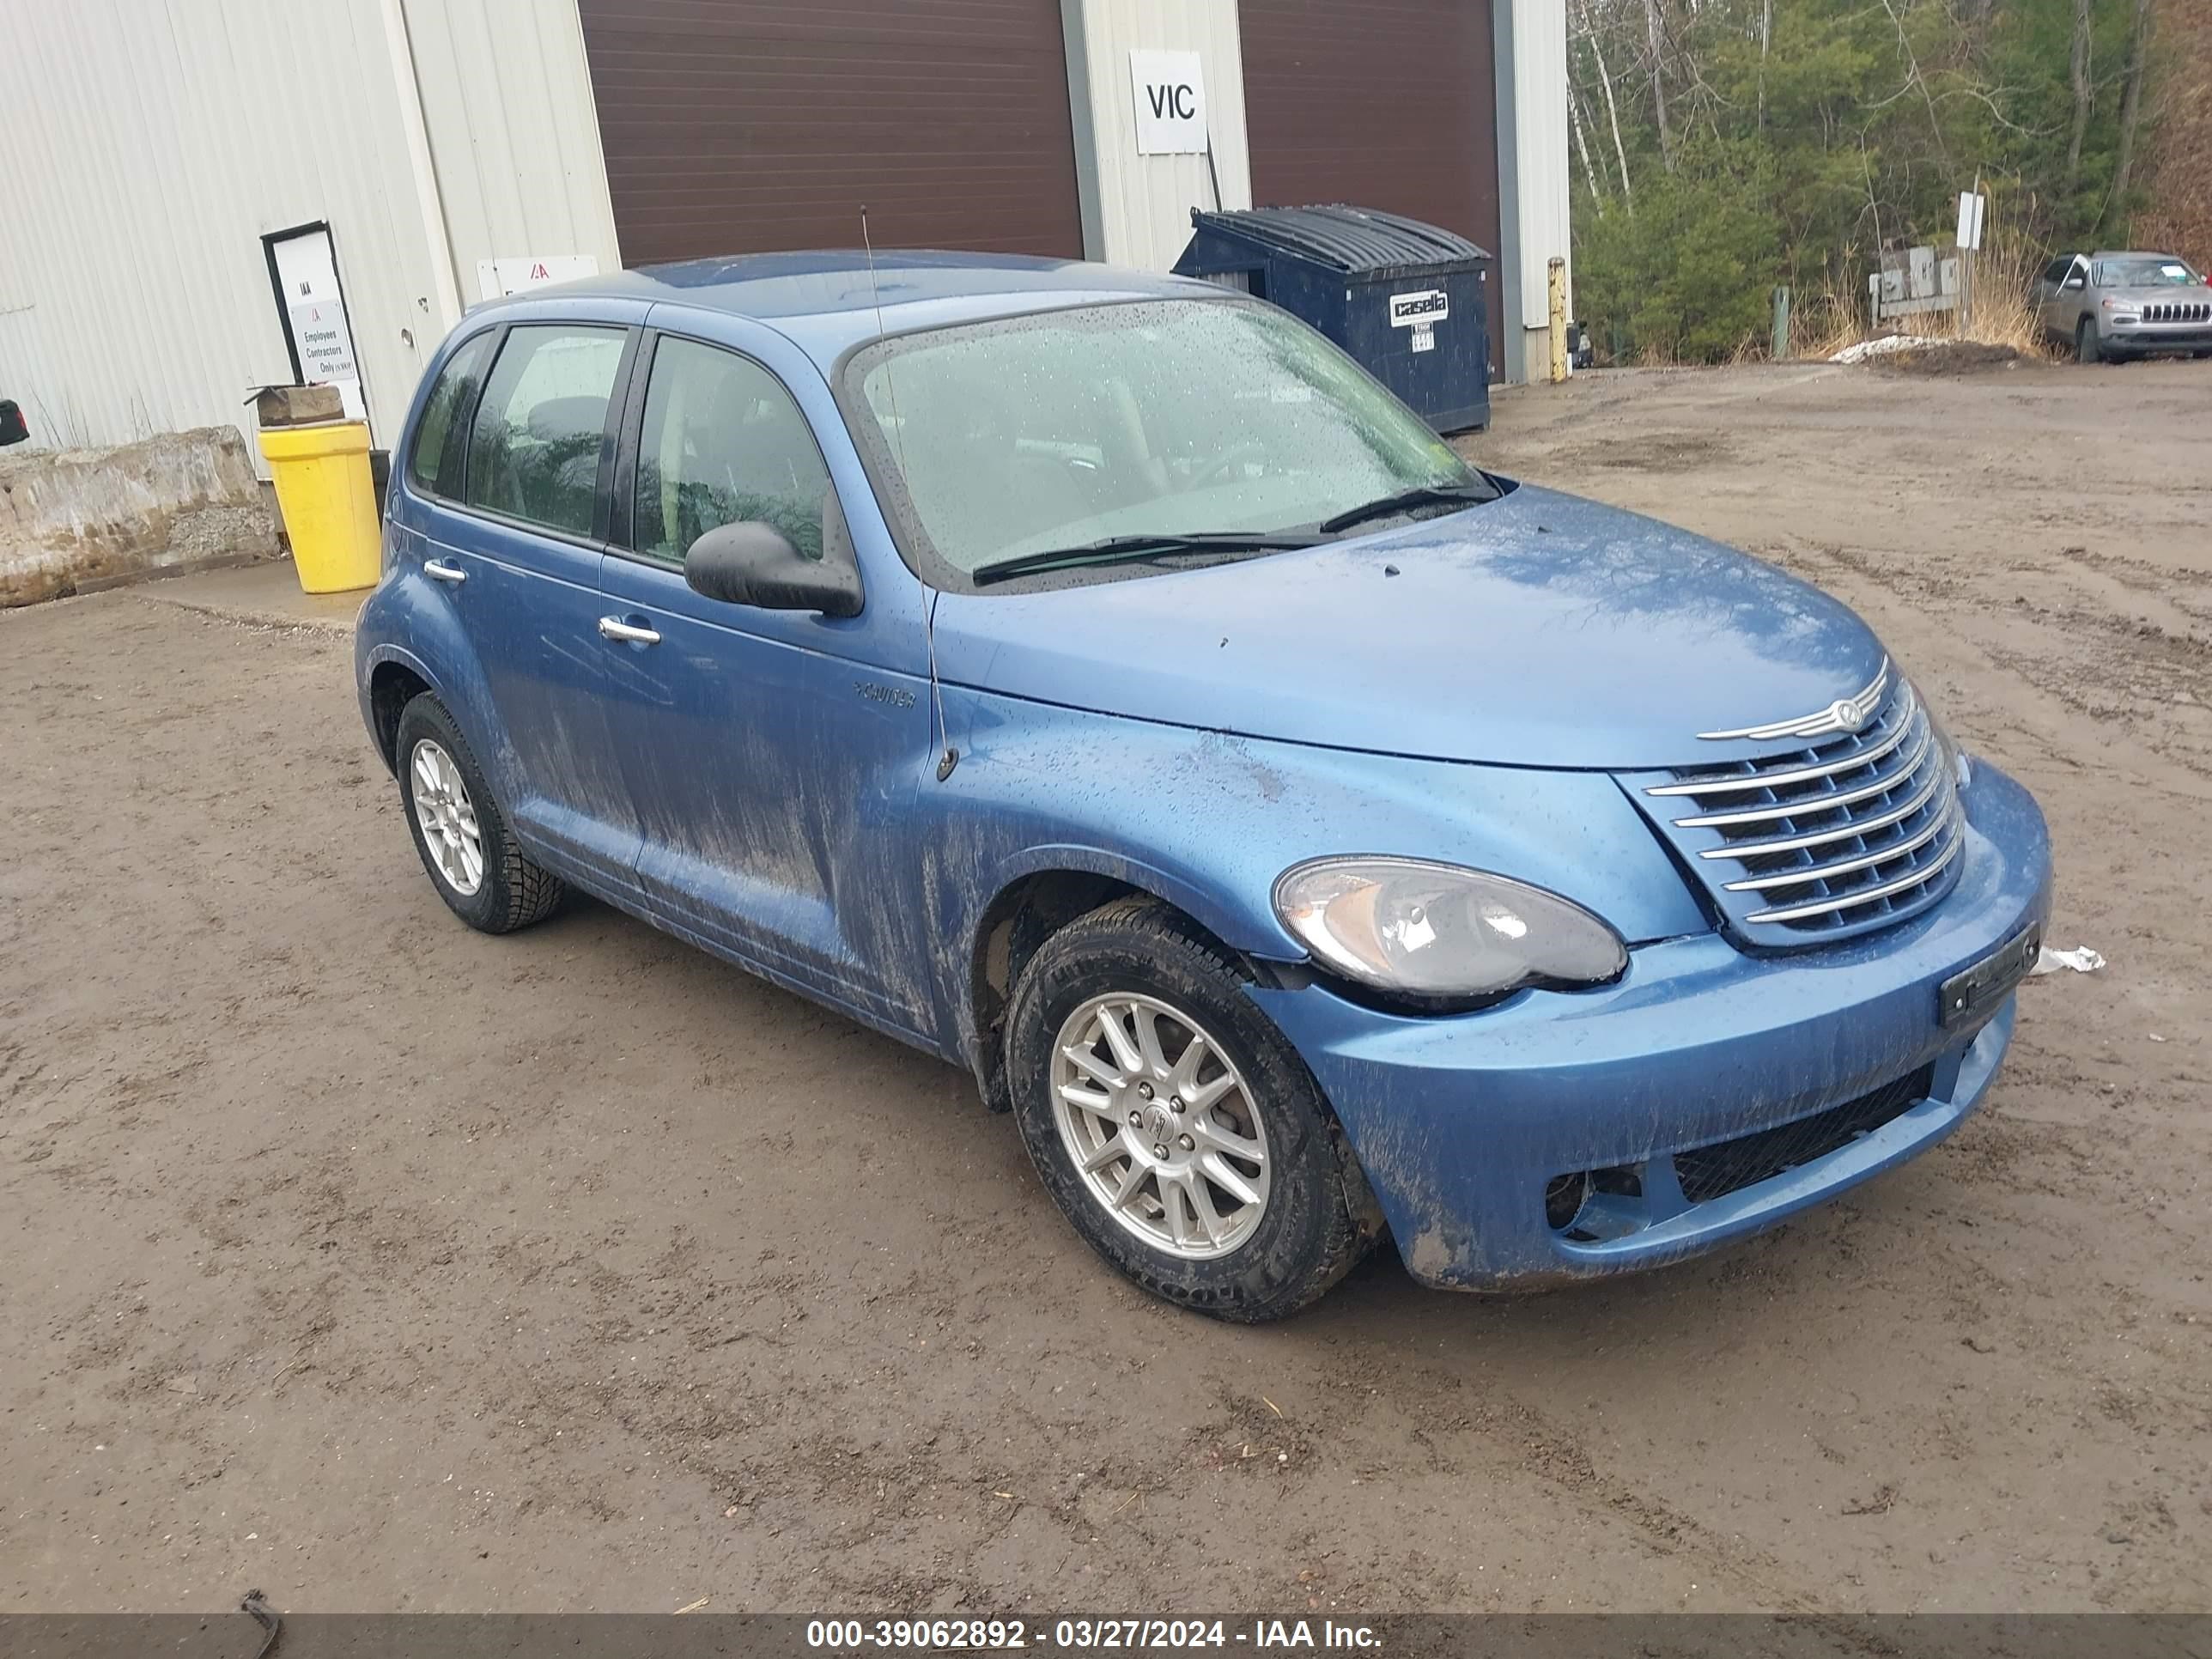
(2115, 306)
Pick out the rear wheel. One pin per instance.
(1173, 1126)
(461, 831)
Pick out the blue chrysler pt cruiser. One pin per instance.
(1099, 681)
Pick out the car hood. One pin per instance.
(2188, 294)
(1534, 630)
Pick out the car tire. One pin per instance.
(2088, 348)
(460, 830)
(1245, 1261)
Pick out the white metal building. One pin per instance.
(196, 187)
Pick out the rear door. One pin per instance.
(518, 557)
(774, 754)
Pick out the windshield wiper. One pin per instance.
(1474, 489)
(1130, 550)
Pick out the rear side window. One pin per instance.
(434, 463)
(723, 443)
(534, 452)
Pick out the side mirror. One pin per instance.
(2076, 280)
(754, 563)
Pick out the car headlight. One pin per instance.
(1440, 933)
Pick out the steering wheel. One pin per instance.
(1249, 449)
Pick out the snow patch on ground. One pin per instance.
(1882, 347)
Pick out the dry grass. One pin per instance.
(2004, 305)
(1826, 322)
(2003, 313)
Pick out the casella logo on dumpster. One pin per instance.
(1423, 309)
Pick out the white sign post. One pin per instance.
(1169, 88)
(1973, 208)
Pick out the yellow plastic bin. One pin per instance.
(329, 502)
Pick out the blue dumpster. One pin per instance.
(1404, 298)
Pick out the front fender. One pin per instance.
(1208, 821)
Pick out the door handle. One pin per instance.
(614, 628)
(439, 572)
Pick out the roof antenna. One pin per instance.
(951, 756)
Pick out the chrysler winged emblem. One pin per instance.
(1845, 715)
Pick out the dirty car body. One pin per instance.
(1777, 915)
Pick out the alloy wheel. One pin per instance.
(1160, 1125)
(447, 818)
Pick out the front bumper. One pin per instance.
(2158, 336)
(1462, 1123)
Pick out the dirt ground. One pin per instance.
(349, 1255)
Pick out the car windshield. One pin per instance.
(2153, 271)
(1157, 418)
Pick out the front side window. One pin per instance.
(434, 462)
(534, 452)
(723, 443)
(2055, 272)
(1158, 417)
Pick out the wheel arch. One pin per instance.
(1034, 897)
(393, 682)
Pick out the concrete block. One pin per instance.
(297, 405)
(75, 519)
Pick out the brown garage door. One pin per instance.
(740, 126)
(1387, 104)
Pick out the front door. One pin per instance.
(519, 557)
(773, 769)
(2061, 307)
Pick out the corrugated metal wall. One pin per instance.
(514, 134)
(1136, 208)
(1533, 178)
(152, 142)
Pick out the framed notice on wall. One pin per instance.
(303, 274)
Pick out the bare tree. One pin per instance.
(1612, 108)
(2084, 92)
(2130, 101)
(1657, 37)
(1582, 147)
(1765, 43)
(1914, 78)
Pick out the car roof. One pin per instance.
(829, 300)
(2133, 254)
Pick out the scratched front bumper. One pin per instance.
(1461, 1123)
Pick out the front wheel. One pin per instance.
(467, 849)
(1173, 1126)
(2088, 347)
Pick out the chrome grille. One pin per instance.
(1852, 832)
(2182, 313)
